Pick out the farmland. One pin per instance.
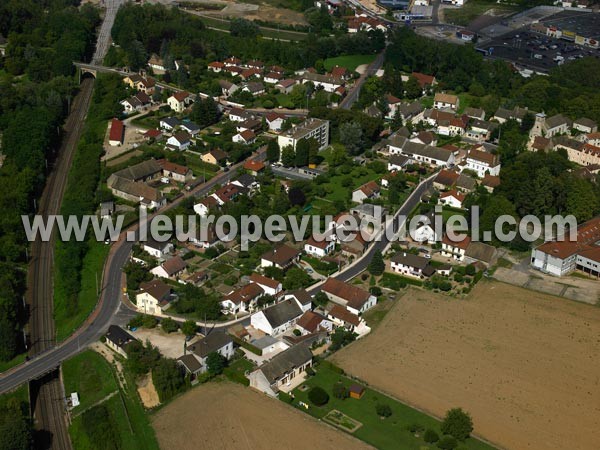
(229, 416)
(522, 363)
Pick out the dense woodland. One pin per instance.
(173, 34)
(36, 84)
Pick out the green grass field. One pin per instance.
(350, 62)
(4, 366)
(389, 433)
(91, 376)
(93, 264)
(132, 422)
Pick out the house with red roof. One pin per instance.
(254, 167)
(367, 191)
(452, 198)
(179, 101)
(116, 133)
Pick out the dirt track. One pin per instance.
(228, 416)
(524, 364)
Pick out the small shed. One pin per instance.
(356, 391)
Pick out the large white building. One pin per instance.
(311, 128)
(483, 163)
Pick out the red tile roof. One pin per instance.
(354, 296)
(424, 80)
(255, 166)
(117, 130)
(339, 312)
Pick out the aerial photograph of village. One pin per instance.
(299, 224)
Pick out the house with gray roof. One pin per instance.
(277, 319)
(411, 265)
(284, 369)
(213, 342)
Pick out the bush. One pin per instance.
(318, 396)
(430, 436)
(447, 443)
(458, 424)
(297, 332)
(375, 290)
(149, 321)
(285, 397)
(340, 391)
(415, 428)
(137, 321)
(470, 270)
(310, 372)
(169, 325)
(383, 410)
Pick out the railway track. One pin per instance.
(47, 397)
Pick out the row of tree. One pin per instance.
(44, 38)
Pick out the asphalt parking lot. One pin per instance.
(536, 51)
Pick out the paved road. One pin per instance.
(352, 96)
(399, 219)
(290, 173)
(110, 304)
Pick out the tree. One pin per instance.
(296, 196)
(288, 156)
(383, 410)
(413, 88)
(243, 28)
(447, 443)
(340, 391)
(168, 378)
(430, 436)
(318, 396)
(340, 338)
(377, 266)
(149, 321)
(169, 325)
(189, 328)
(296, 278)
(215, 363)
(273, 151)
(205, 112)
(320, 299)
(302, 153)
(15, 428)
(458, 424)
(351, 136)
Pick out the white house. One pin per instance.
(154, 297)
(268, 285)
(411, 265)
(354, 299)
(169, 123)
(157, 249)
(274, 121)
(117, 339)
(452, 198)
(179, 141)
(442, 100)
(214, 342)
(312, 322)
(179, 101)
(245, 137)
(319, 246)
(555, 258)
(276, 319)
(242, 299)
(282, 257)
(455, 249)
(171, 268)
(327, 82)
(367, 191)
(483, 163)
(425, 229)
(301, 297)
(281, 370)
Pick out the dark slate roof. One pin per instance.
(246, 179)
(480, 252)
(190, 362)
(211, 343)
(140, 171)
(408, 259)
(301, 295)
(119, 336)
(282, 313)
(171, 121)
(286, 361)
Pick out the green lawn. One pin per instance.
(350, 62)
(199, 167)
(395, 282)
(4, 366)
(93, 265)
(90, 375)
(389, 433)
(20, 394)
(236, 371)
(127, 413)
